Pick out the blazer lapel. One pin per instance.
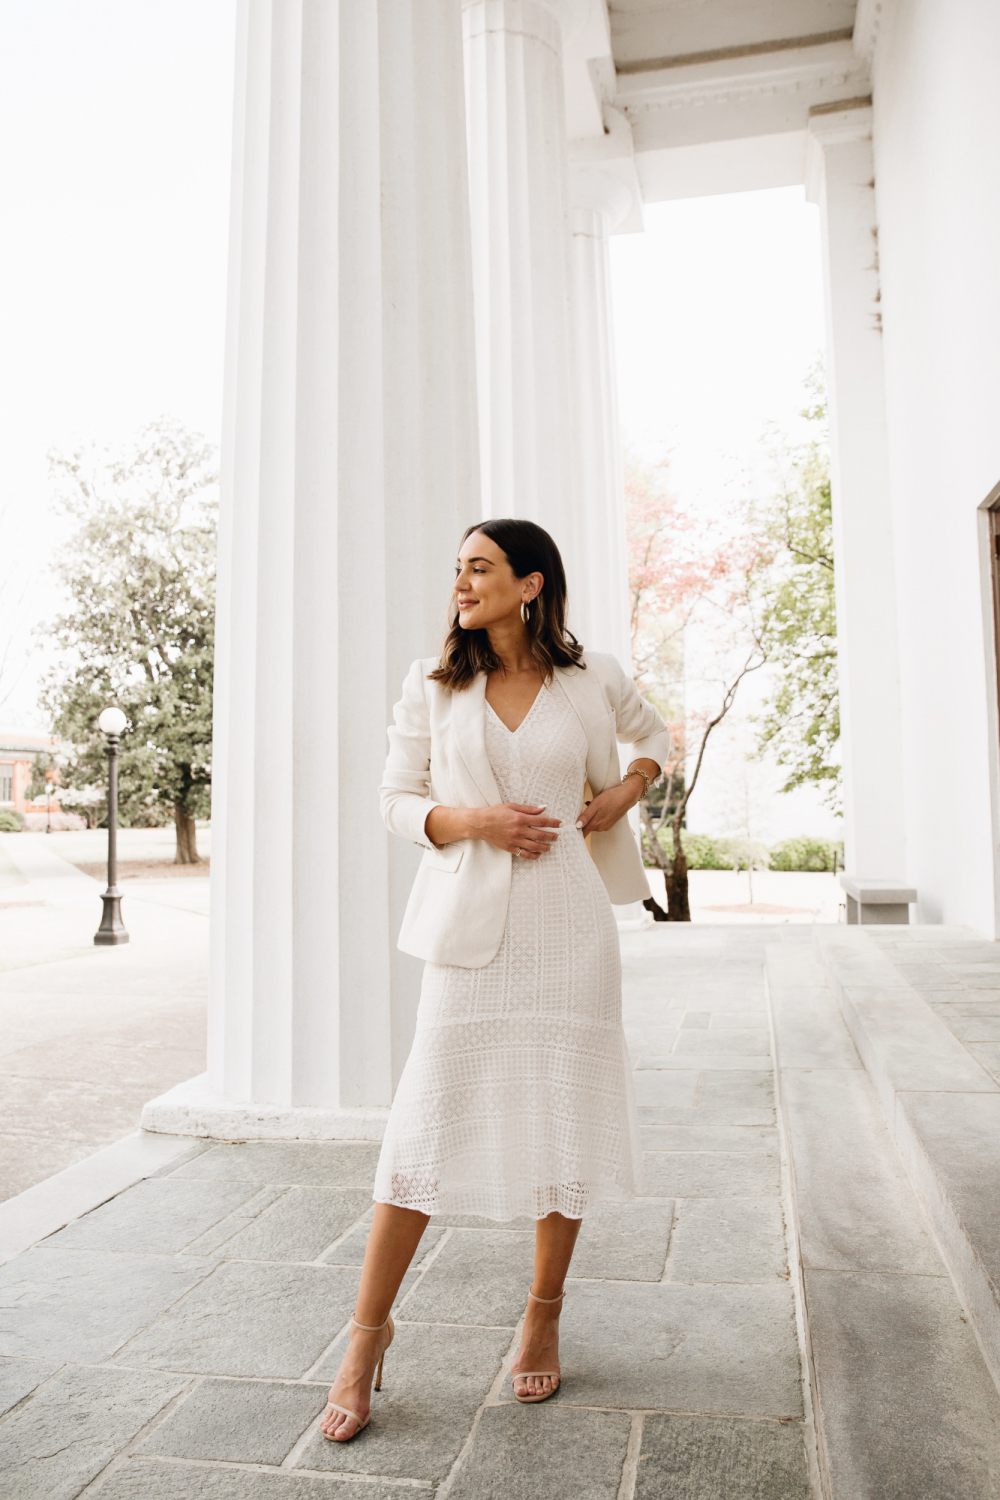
(468, 724)
(584, 691)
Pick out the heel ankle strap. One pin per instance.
(546, 1301)
(367, 1327)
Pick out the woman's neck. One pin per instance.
(512, 647)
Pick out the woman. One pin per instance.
(517, 1095)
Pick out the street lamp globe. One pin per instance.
(112, 721)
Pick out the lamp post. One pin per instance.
(112, 928)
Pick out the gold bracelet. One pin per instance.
(646, 783)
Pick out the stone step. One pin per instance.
(941, 1106)
(903, 1402)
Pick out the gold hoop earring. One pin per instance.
(524, 611)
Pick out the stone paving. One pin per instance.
(179, 1340)
(87, 1034)
(958, 974)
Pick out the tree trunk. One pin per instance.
(187, 839)
(652, 905)
(676, 880)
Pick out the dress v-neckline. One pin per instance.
(527, 716)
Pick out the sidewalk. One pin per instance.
(87, 1034)
(178, 1342)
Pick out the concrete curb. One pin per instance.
(905, 1048)
(40, 1210)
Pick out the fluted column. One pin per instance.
(350, 466)
(599, 202)
(841, 181)
(518, 175)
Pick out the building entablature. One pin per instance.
(712, 98)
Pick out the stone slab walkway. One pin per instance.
(87, 1034)
(904, 1399)
(179, 1340)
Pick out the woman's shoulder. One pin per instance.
(603, 665)
(421, 669)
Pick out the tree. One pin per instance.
(801, 720)
(696, 617)
(139, 573)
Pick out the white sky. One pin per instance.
(718, 319)
(116, 118)
(114, 178)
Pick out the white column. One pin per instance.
(520, 235)
(350, 466)
(841, 176)
(599, 201)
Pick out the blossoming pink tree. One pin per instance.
(697, 632)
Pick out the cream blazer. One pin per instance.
(437, 756)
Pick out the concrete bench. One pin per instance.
(870, 902)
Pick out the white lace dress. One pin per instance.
(517, 1096)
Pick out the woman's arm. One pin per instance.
(638, 724)
(409, 809)
(404, 794)
(509, 825)
(613, 803)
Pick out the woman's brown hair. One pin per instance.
(528, 549)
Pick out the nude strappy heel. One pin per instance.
(345, 1410)
(527, 1374)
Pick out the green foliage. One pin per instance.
(807, 853)
(138, 631)
(11, 821)
(703, 852)
(801, 722)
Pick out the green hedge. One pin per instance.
(704, 852)
(807, 853)
(803, 853)
(11, 821)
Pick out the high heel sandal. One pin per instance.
(346, 1410)
(536, 1374)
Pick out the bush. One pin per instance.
(703, 852)
(807, 853)
(11, 821)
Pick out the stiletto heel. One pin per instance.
(537, 1374)
(345, 1410)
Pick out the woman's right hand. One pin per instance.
(513, 827)
(510, 826)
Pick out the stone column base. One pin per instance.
(196, 1108)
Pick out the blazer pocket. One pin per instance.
(447, 860)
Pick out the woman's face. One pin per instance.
(485, 586)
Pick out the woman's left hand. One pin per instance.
(609, 806)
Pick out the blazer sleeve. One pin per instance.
(639, 724)
(404, 795)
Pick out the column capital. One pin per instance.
(595, 159)
(847, 125)
(600, 190)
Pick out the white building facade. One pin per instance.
(420, 334)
